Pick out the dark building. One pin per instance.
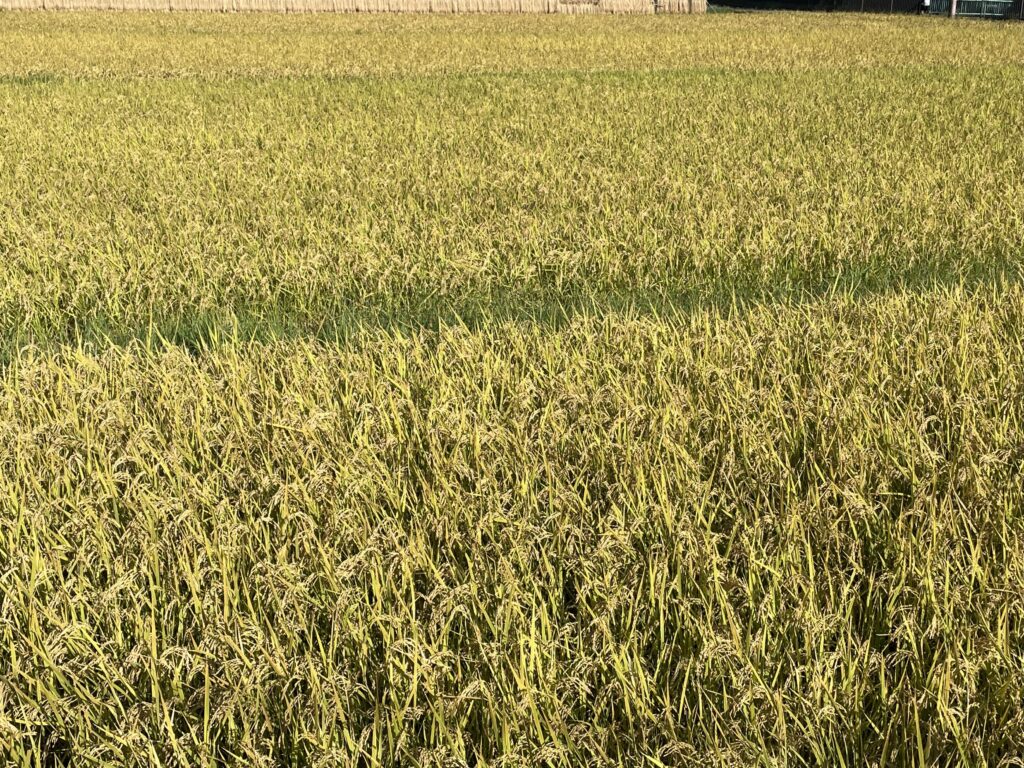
(994, 9)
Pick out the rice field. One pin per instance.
(511, 391)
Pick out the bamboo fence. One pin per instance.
(371, 6)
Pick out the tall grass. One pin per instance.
(478, 409)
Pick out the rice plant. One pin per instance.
(511, 391)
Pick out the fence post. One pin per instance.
(952, 8)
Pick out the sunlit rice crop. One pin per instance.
(511, 391)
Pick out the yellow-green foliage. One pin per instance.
(511, 391)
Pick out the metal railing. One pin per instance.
(989, 9)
